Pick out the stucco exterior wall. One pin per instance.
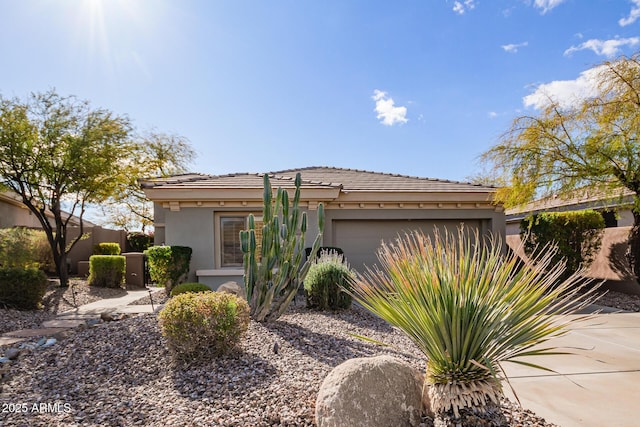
(195, 227)
(16, 216)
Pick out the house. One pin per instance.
(362, 208)
(14, 213)
(615, 210)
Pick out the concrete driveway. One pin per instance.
(598, 385)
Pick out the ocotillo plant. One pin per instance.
(273, 270)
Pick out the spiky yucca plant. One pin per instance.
(468, 307)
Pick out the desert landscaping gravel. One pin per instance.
(120, 373)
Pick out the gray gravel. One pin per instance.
(56, 300)
(119, 374)
(620, 300)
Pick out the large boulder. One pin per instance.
(233, 288)
(377, 391)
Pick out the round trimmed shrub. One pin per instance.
(106, 248)
(326, 282)
(107, 271)
(22, 288)
(189, 287)
(203, 325)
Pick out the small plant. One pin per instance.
(328, 282)
(189, 287)
(107, 271)
(22, 289)
(168, 265)
(468, 308)
(106, 248)
(203, 325)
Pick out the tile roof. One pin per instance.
(586, 198)
(348, 180)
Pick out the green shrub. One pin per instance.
(203, 325)
(168, 265)
(22, 288)
(577, 235)
(139, 242)
(42, 252)
(106, 248)
(189, 287)
(22, 247)
(328, 278)
(107, 271)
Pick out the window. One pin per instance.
(228, 244)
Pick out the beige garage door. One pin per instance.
(360, 239)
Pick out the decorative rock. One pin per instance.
(370, 392)
(12, 353)
(4, 359)
(106, 317)
(232, 288)
(49, 342)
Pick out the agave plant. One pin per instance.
(469, 306)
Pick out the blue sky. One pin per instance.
(417, 87)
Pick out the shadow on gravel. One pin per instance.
(331, 349)
(59, 299)
(235, 375)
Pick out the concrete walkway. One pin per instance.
(597, 385)
(79, 316)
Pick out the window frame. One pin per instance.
(218, 231)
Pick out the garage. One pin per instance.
(360, 239)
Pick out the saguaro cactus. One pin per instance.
(273, 270)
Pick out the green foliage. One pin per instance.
(16, 248)
(139, 242)
(22, 288)
(469, 308)
(189, 287)
(592, 143)
(156, 155)
(55, 148)
(107, 271)
(25, 248)
(273, 269)
(203, 325)
(326, 282)
(168, 265)
(106, 248)
(577, 235)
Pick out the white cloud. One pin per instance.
(492, 114)
(547, 5)
(608, 48)
(566, 93)
(634, 14)
(388, 113)
(513, 48)
(460, 7)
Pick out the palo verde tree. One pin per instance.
(59, 154)
(156, 155)
(593, 143)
